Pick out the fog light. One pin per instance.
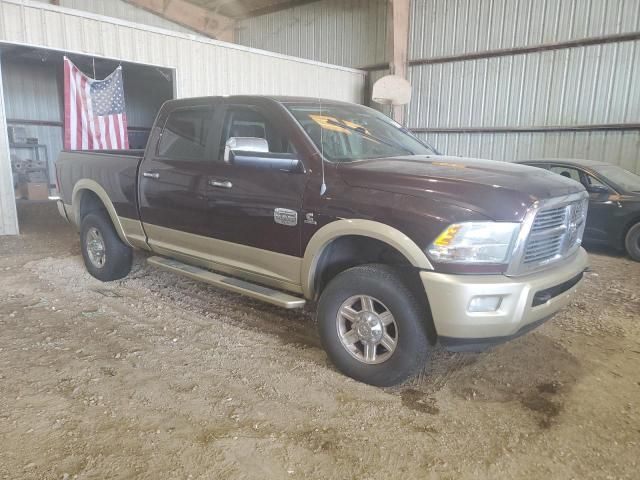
(485, 303)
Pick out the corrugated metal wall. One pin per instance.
(591, 87)
(202, 66)
(123, 11)
(351, 33)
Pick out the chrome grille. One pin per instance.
(555, 233)
(551, 218)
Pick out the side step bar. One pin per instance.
(266, 294)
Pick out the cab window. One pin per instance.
(185, 133)
(247, 122)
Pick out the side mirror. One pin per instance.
(598, 189)
(245, 144)
(285, 162)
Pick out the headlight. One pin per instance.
(475, 242)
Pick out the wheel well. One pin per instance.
(353, 250)
(628, 227)
(89, 203)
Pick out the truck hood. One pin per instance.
(499, 190)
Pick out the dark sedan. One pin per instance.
(614, 201)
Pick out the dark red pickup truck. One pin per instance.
(291, 200)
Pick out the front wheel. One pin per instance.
(372, 326)
(632, 242)
(106, 257)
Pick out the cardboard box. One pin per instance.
(35, 191)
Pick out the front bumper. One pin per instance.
(526, 302)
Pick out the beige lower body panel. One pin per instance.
(254, 264)
(450, 295)
(134, 232)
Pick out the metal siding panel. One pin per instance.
(350, 33)
(450, 27)
(32, 92)
(122, 10)
(618, 148)
(594, 84)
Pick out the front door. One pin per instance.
(600, 207)
(257, 211)
(602, 214)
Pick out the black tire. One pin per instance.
(632, 242)
(386, 285)
(117, 255)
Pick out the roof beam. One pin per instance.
(191, 16)
(275, 8)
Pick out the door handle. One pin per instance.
(220, 183)
(151, 175)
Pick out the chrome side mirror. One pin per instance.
(245, 144)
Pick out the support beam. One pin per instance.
(399, 44)
(8, 213)
(191, 16)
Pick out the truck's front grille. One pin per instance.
(551, 218)
(555, 233)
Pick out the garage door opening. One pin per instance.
(33, 81)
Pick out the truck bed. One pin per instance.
(115, 171)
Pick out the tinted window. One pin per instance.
(568, 172)
(245, 122)
(185, 132)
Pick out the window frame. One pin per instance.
(208, 140)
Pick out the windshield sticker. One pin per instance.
(333, 123)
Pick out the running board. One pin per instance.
(259, 292)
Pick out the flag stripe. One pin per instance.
(94, 111)
(113, 143)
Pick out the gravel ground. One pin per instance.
(156, 377)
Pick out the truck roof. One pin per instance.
(275, 98)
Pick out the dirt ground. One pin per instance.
(158, 377)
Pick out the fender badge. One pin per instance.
(284, 216)
(308, 218)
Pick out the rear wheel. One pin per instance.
(372, 325)
(105, 255)
(632, 242)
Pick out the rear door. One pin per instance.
(173, 176)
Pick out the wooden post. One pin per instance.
(399, 44)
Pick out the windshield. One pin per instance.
(619, 176)
(345, 133)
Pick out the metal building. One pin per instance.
(194, 64)
(499, 79)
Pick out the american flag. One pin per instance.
(94, 112)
